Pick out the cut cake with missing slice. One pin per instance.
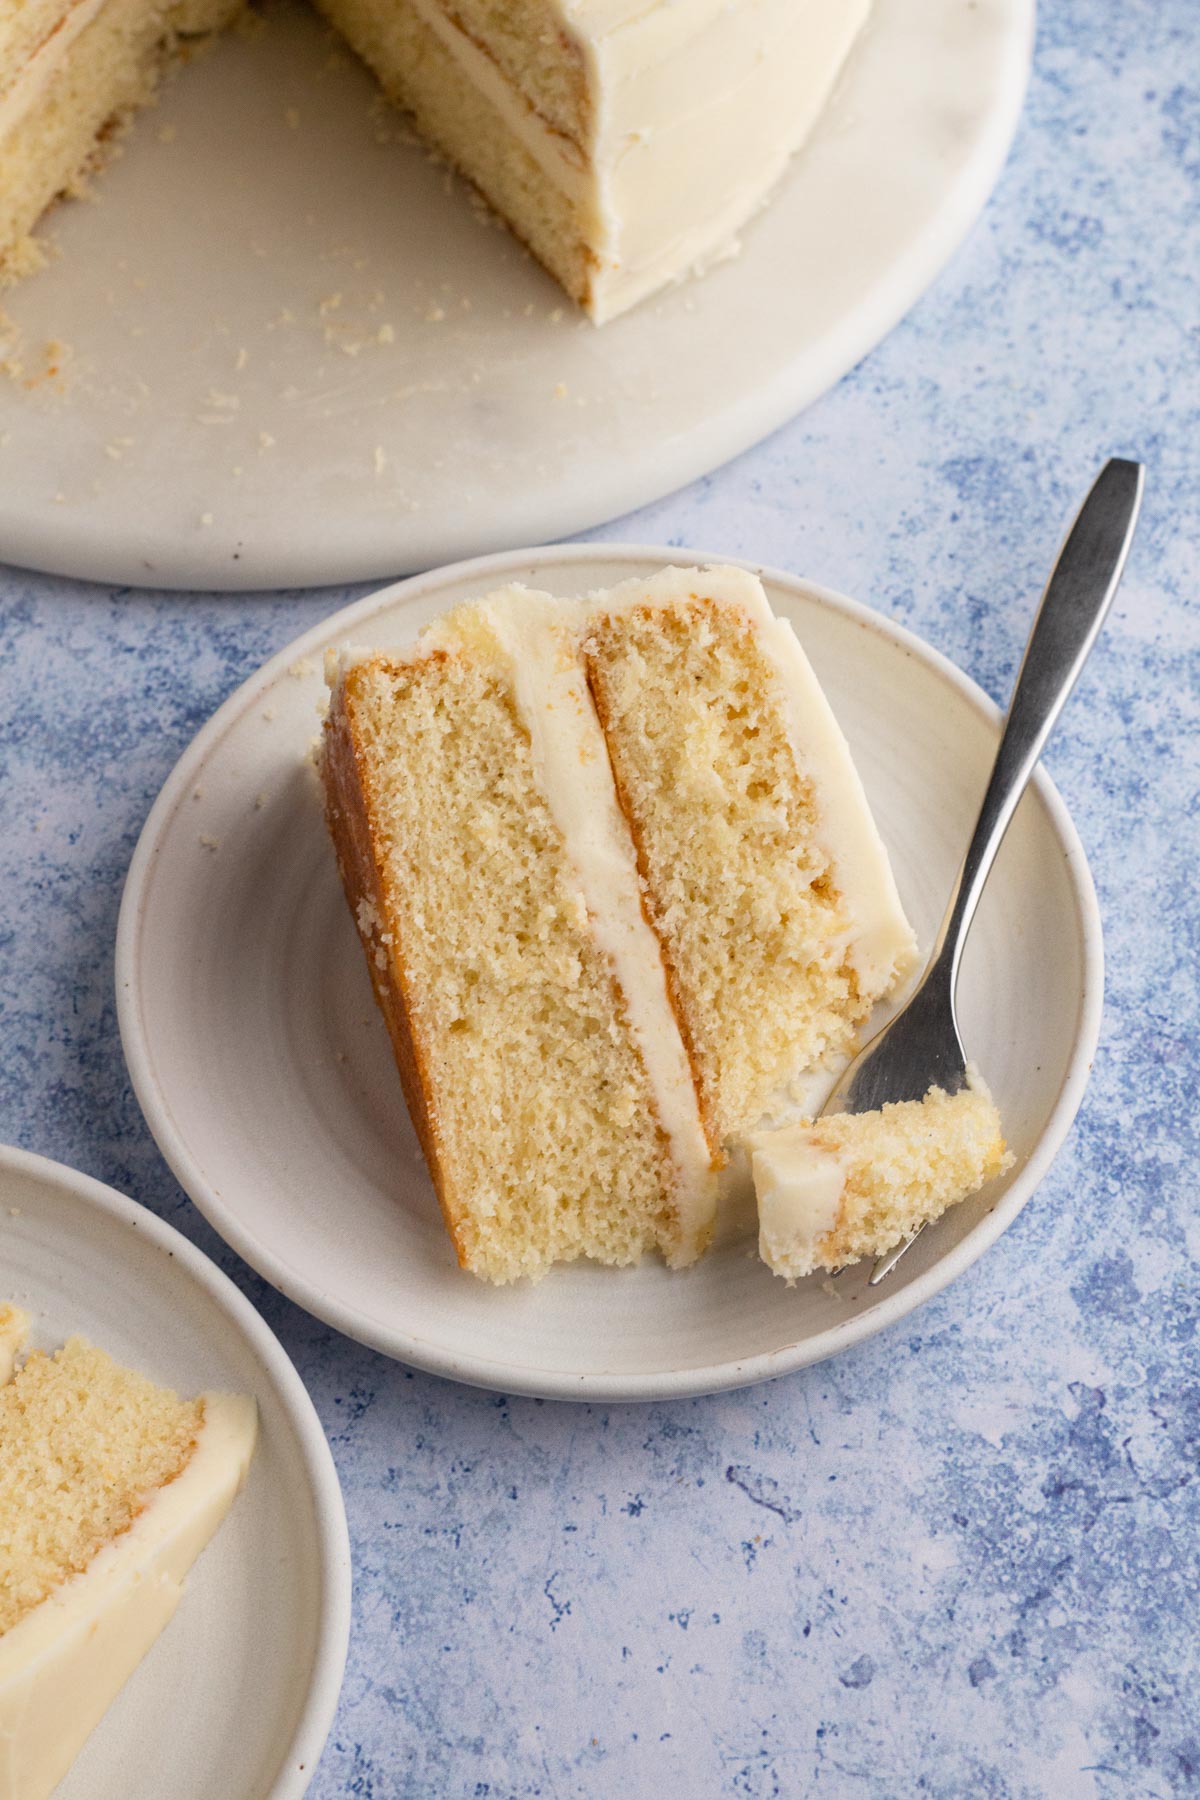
(110, 1487)
(593, 985)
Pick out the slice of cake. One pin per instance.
(592, 984)
(70, 73)
(110, 1487)
(835, 1189)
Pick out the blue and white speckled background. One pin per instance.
(963, 1560)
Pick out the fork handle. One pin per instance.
(1073, 608)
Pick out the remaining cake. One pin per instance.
(624, 142)
(835, 1189)
(109, 1489)
(618, 886)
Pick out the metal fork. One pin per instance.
(921, 1048)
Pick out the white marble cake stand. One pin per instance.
(300, 355)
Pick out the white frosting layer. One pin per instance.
(13, 1326)
(799, 1185)
(538, 635)
(62, 1665)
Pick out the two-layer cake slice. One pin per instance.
(618, 885)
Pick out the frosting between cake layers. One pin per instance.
(64, 1662)
(537, 635)
(560, 158)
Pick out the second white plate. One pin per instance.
(235, 1699)
(295, 358)
(266, 1075)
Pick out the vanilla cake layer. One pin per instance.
(624, 144)
(765, 877)
(834, 1190)
(109, 1489)
(25, 27)
(553, 1106)
(69, 84)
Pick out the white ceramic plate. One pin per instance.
(212, 431)
(235, 1700)
(267, 1078)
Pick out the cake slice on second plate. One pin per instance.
(110, 1487)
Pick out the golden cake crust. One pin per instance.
(356, 841)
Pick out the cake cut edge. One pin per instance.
(352, 828)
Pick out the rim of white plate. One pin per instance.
(316, 1719)
(507, 1377)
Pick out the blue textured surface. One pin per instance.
(962, 1560)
